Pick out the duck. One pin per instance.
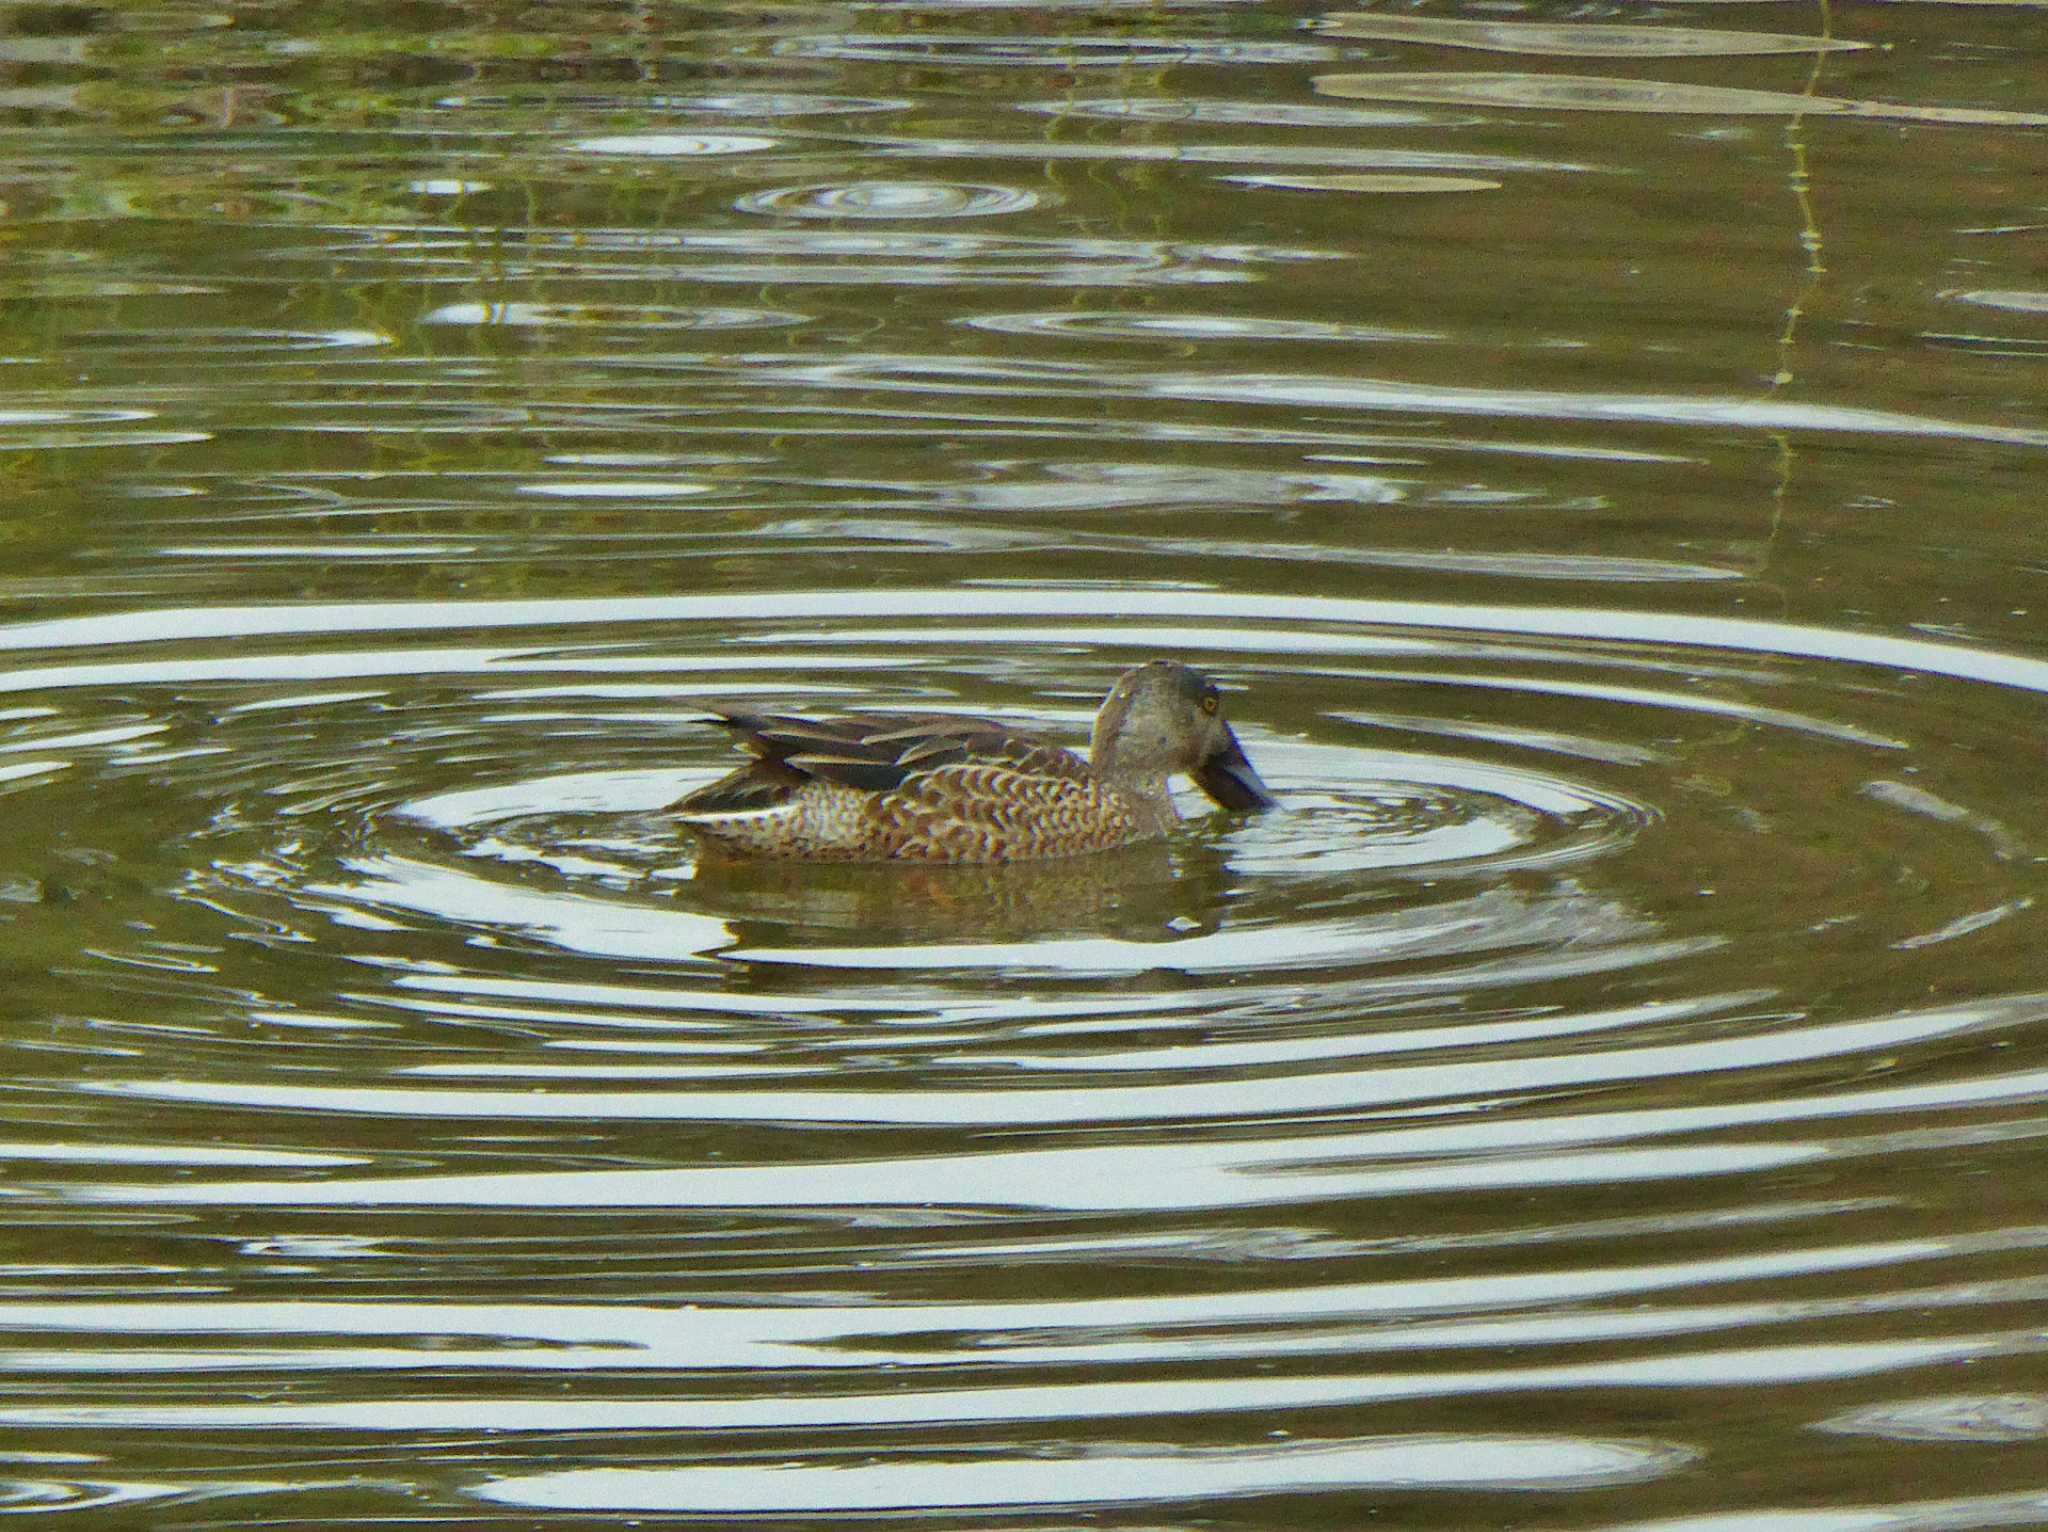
(914, 787)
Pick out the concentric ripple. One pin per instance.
(672, 145)
(1096, 1479)
(890, 199)
(1130, 1144)
(1418, 855)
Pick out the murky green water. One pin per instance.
(1603, 453)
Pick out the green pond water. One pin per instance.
(1600, 449)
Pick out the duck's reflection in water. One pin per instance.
(1155, 891)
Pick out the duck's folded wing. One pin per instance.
(878, 752)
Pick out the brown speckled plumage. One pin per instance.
(940, 788)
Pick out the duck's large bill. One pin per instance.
(1228, 778)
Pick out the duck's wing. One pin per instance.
(879, 752)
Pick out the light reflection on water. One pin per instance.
(1100, 1478)
(1610, 1090)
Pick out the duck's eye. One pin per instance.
(1209, 703)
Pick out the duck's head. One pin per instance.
(1166, 717)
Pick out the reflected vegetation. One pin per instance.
(1610, 1092)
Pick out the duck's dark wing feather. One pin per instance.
(878, 752)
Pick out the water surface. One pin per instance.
(1600, 454)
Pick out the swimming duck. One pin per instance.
(942, 788)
